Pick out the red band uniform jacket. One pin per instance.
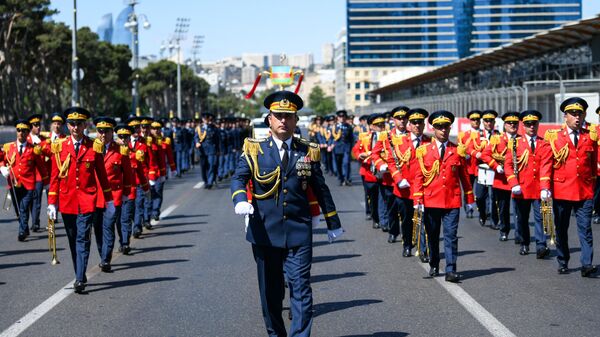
(364, 145)
(406, 165)
(494, 155)
(118, 173)
(26, 166)
(528, 166)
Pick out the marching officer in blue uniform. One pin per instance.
(280, 169)
(342, 145)
(223, 150)
(206, 138)
(178, 137)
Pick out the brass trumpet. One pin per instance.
(548, 220)
(416, 231)
(7, 200)
(52, 241)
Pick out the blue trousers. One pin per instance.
(123, 223)
(223, 163)
(179, 155)
(36, 205)
(484, 199)
(104, 231)
(271, 263)
(185, 163)
(372, 199)
(406, 211)
(140, 215)
(78, 228)
(25, 199)
(434, 219)
(342, 164)
(502, 199)
(232, 161)
(382, 206)
(152, 206)
(523, 208)
(583, 215)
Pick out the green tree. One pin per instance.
(321, 104)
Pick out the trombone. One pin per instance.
(52, 241)
(548, 220)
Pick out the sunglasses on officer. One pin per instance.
(23, 130)
(512, 123)
(75, 123)
(530, 124)
(416, 121)
(489, 120)
(101, 130)
(37, 125)
(123, 136)
(441, 126)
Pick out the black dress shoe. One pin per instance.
(424, 258)
(434, 271)
(495, 227)
(375, 225)
(147, 225)
(35, 229)
(588, 271)
(470, 214)
(79, 287)
(369, 217)
(136, 234)
(596, 220)
(563, 270)
(518, 241)
(348, 183)
(21, 237)
(482, 222)
(406, 252)
(503, 237)
(524, 250)
(126, 250)
(391, 238)
(452, 277)
(385, 228)
(542, 253)
(156, 217)
(105, 267)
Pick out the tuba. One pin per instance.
(52, 241)
(548, 220)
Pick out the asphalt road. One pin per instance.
(193, 275)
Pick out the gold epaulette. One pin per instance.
(461, 150)
(140, 155)
(6, 147)
(252, 146)
(382, 136)
(168, 140)
(159, 141)
(124, 149)
(314, 152)
(421, 151)
(398, 140)
(363, 135)
(495, 140)
(45, 134)
(593, 132)
(37, 150)
(56, 146)
(149, 141)
(98, 146)
(474, 135)
(551, 135)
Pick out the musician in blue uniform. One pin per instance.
(342, 145)
(206, 138)
(178, 136)
(223, 150)
(281, 168)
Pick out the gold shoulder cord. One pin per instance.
(481, 145)
(559, 155)
(201, 135)
(403, 158)
(251, 150)
(498, 156)
(435, 168)
(336, 133)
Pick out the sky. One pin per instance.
(233, 27)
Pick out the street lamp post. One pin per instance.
(74, 63)
(181, 28)
(132, 25)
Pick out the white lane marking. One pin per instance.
(31, 317)
(199, 185)
(493, 325)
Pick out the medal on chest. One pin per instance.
(303, 169)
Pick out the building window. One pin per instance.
(366, 85)
(366, 72)
(357, 85)
(357, 73)
(366, 98)
(348, 85)
(384, 72)
(357, 97)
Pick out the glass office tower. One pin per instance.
(413, 33)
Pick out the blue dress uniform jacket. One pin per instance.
(282, 218)
(208, 136)
(343, 138)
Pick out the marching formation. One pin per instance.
(113, 183)
(415, 185)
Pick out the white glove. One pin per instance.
(52, 212)
(315, 221)
(170, 174)
(478, 155)
(244, 208)
(383, 168)
(124, 198)
(35, 139)
(403, 184)
(333, 235)
(499, 169)
(545, 195)
(516, 190)
(152, 182)
(419, 207)
(109, 210)
(470, 207)
(5, 171)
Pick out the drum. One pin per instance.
(485, 175)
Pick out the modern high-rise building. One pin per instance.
(409, 33)
(121, 34)
(105, 28)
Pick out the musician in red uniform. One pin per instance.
(78, 177)
(465, 138)
(523, 176)
(167, 160)
(118, 172)
(362, 152)
(596, 218)
(403, 165)
(36, 138)
(441, 173)
(569, 175)
(380, 157)
(483, 193)
(494, 156)
(155, 149)
(139, 148)
(22, 161)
